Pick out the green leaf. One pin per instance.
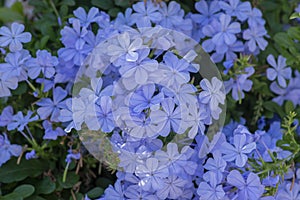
(274, 107)
(36, 198)
(122, 3)
(45, 186)
(288, 106)
(95, 192)
(11, 172)
(17, 7)
(114, 12)
(11, 196)
(44, 41)
(22, 88)
(71, 180)
(283, 40)
(67, 2)
(24, 190)
(294, 32)
(295, 15)
(103, 4)
(8, 15)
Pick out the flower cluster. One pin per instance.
(141, 82)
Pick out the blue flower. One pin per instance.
(52, 107)
(66, 116)
(50, 133)
(291, 92)
(72, 155)
(19, 121)
(7, 150)
(251, 189)
(208, 12)
(170, 116)
(216, 165)
(175, 69)
(85, 18)
(114, 193)
(124, 19)
(255, 18)
(144, 98)
(6, 116)
(151, 174)
(137, 72)
(238, 151)
(289, 192)
(279, 70)
(14, 37)
(134, 192)
(212, 95)
(125, 48)
(101, 116)
(6, 84)
(44, 63)
(236, 8)
(173, 188)
(240, 84)
(177, 163)
(172, 17)
(30, 155)
(145, 13)
(226, 32)
(196, 120)
(15, 65)
(255, 38)
(211, 190)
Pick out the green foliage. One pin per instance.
(10, 172)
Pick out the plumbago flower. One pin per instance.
(220, 22)
(7, 150)
(150, 103)
(279, 70)
(14, 37)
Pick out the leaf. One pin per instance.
(288, 106)
(114, 12)
(44, 41)
(95, 192)
(71, 180)
(294, 32)
(8, 15)
(122, 3)
(295, 15)
(283, 40)
(17, 7)
(11, 172)
(45, 186)
(67, 2)
(103, 4)
(22, 88)
(24, 190)
(274, 107)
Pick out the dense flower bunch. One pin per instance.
(140, 84)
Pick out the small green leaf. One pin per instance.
(95, 192)
(122, 3)
(17, 7)
(103, 4)
(45, 186)
(22, 88)
(288, 106)
(114, 12)
(71, 180)
(283, 40)
(24, 190)
(8, 15)
(295, 15)
(11, 172)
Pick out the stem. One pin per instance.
(66, 172)
(56, 12)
